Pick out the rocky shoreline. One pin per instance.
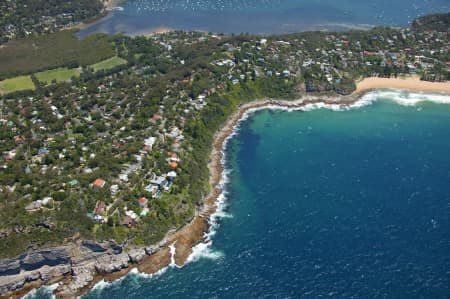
(78, 266)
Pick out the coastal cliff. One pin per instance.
(76, 263)
(78, 266)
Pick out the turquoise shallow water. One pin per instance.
(262, 16)
(348, 204)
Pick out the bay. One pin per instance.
(340, 204)
(261, 16)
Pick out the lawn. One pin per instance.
(16, 84)
(59, 74)
(108, 63)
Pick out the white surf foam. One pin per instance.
(102, 284)
(173, 252)
(47, 290)
(136, 272)
(203, 249)
(406, 98)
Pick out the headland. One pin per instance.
(82, 265)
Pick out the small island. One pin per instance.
(112, 145)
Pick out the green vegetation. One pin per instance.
(61, 49)
(58, 75)
(156, 101)
(108, 64)
(16, 84)
(21, 18)
(440, 22)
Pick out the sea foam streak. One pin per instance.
(173, 252)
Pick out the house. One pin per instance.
(127, 221)
(142, 202)
(158, 181)
(34, 206)
(20, 139)
(152, 188)
(73, 183)
(10, 156)
(114, 189)
(132, 215)
(100, 208)
(167, 185)
(171, 175)
(174, 157)
(123, 177)
(99, 183)
(157, 117)
(148, 143)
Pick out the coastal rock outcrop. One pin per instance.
(106, 264)
(82, 261)
(38, 265)
(52, 257)
(136, 255)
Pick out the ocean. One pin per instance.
(324, 204)
(261, 16)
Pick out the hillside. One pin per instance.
(438, 22)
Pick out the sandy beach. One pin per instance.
(154, 31)
(412, 83)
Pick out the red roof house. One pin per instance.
(99, 183)
(142, 201)
(100, 207)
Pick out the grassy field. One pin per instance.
(16, 84)
(59, 74)
(108, 63)
(61, 49)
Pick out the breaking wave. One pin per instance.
(45, 291)
(102, 284)
(406, 98)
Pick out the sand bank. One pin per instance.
(411, 83)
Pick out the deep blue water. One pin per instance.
(326, 204)
(262, 16)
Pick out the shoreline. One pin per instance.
(177, 247)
